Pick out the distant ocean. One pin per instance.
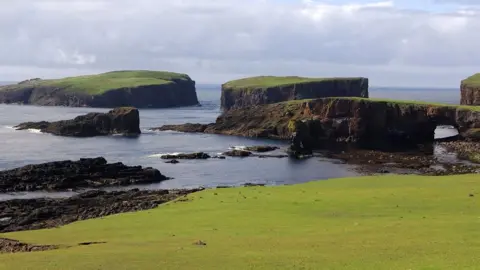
(20, 148)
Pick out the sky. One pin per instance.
(423, 43)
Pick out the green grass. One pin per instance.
(473, 80)
(101, 83)
(384, 222)
(261, 82)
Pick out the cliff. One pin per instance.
(123, 120)
(368, 122)
(141, 89)
(269, 89)
(470, 90)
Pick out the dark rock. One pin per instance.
(33, 214)
(188, 127)
(261, 148)
(85, 173)
(124, 120)
(238, 153)
(198, 155)
(173, 161)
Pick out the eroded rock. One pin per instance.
(123, 120)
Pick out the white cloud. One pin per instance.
(216, 40)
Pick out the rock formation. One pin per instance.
(141, 89)
(369, 123)
(84, 173)
(124, 120)
(470, 90)
(266, 90)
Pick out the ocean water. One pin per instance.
(19, 148)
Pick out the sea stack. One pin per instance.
(470, 90)
(271, 89)
(137, 88)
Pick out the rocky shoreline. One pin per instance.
(33, 214)
(72, 175)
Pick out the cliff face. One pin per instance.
(369, 123)
(123, 120)
(470, 94)
(179, 93)
(237, 97)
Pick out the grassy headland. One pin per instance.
(376, 222)
(473, 80)
(260, 82)
(101, 83)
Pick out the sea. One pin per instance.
(19, 148)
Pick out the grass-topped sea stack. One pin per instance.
(270, 89)
(140, 88)
(470, 90)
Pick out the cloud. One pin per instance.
(215, 40)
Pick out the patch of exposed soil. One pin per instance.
(14, 246)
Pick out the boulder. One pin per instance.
(198, 155)
(123, 120)
(238, 153)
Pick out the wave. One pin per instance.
(34, 130)
(8, 127)
(164, 154)
(240, 147)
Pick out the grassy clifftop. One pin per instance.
(378, 222)
(274, 81)
(473, 80)
(101, 83)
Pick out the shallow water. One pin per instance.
(19, 148)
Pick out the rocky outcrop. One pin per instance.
(84, 173)
(124, 120)
(470, 90)
(34, 214)
(368, 123)
(238, 96)
(177, 91)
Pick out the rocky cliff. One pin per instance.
(141, 89)
(268, 89)
(470, 90)
(123, 120)
(369, 123)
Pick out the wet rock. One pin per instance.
(84, 173)
(261, 148)
(32, 214)
(238, 153)
(173, 161)
(188, 127)
(123, 120)
(198, 155)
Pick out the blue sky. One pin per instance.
(394, 43)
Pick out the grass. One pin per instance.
(101, 83)
(473, 80)
(274, 81)
(376, 222)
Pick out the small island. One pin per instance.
(272, 89)
(137, 88)
(470, 90)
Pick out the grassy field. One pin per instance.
(473, 80)
(100, 83)
(384, 222)
(273, 81)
